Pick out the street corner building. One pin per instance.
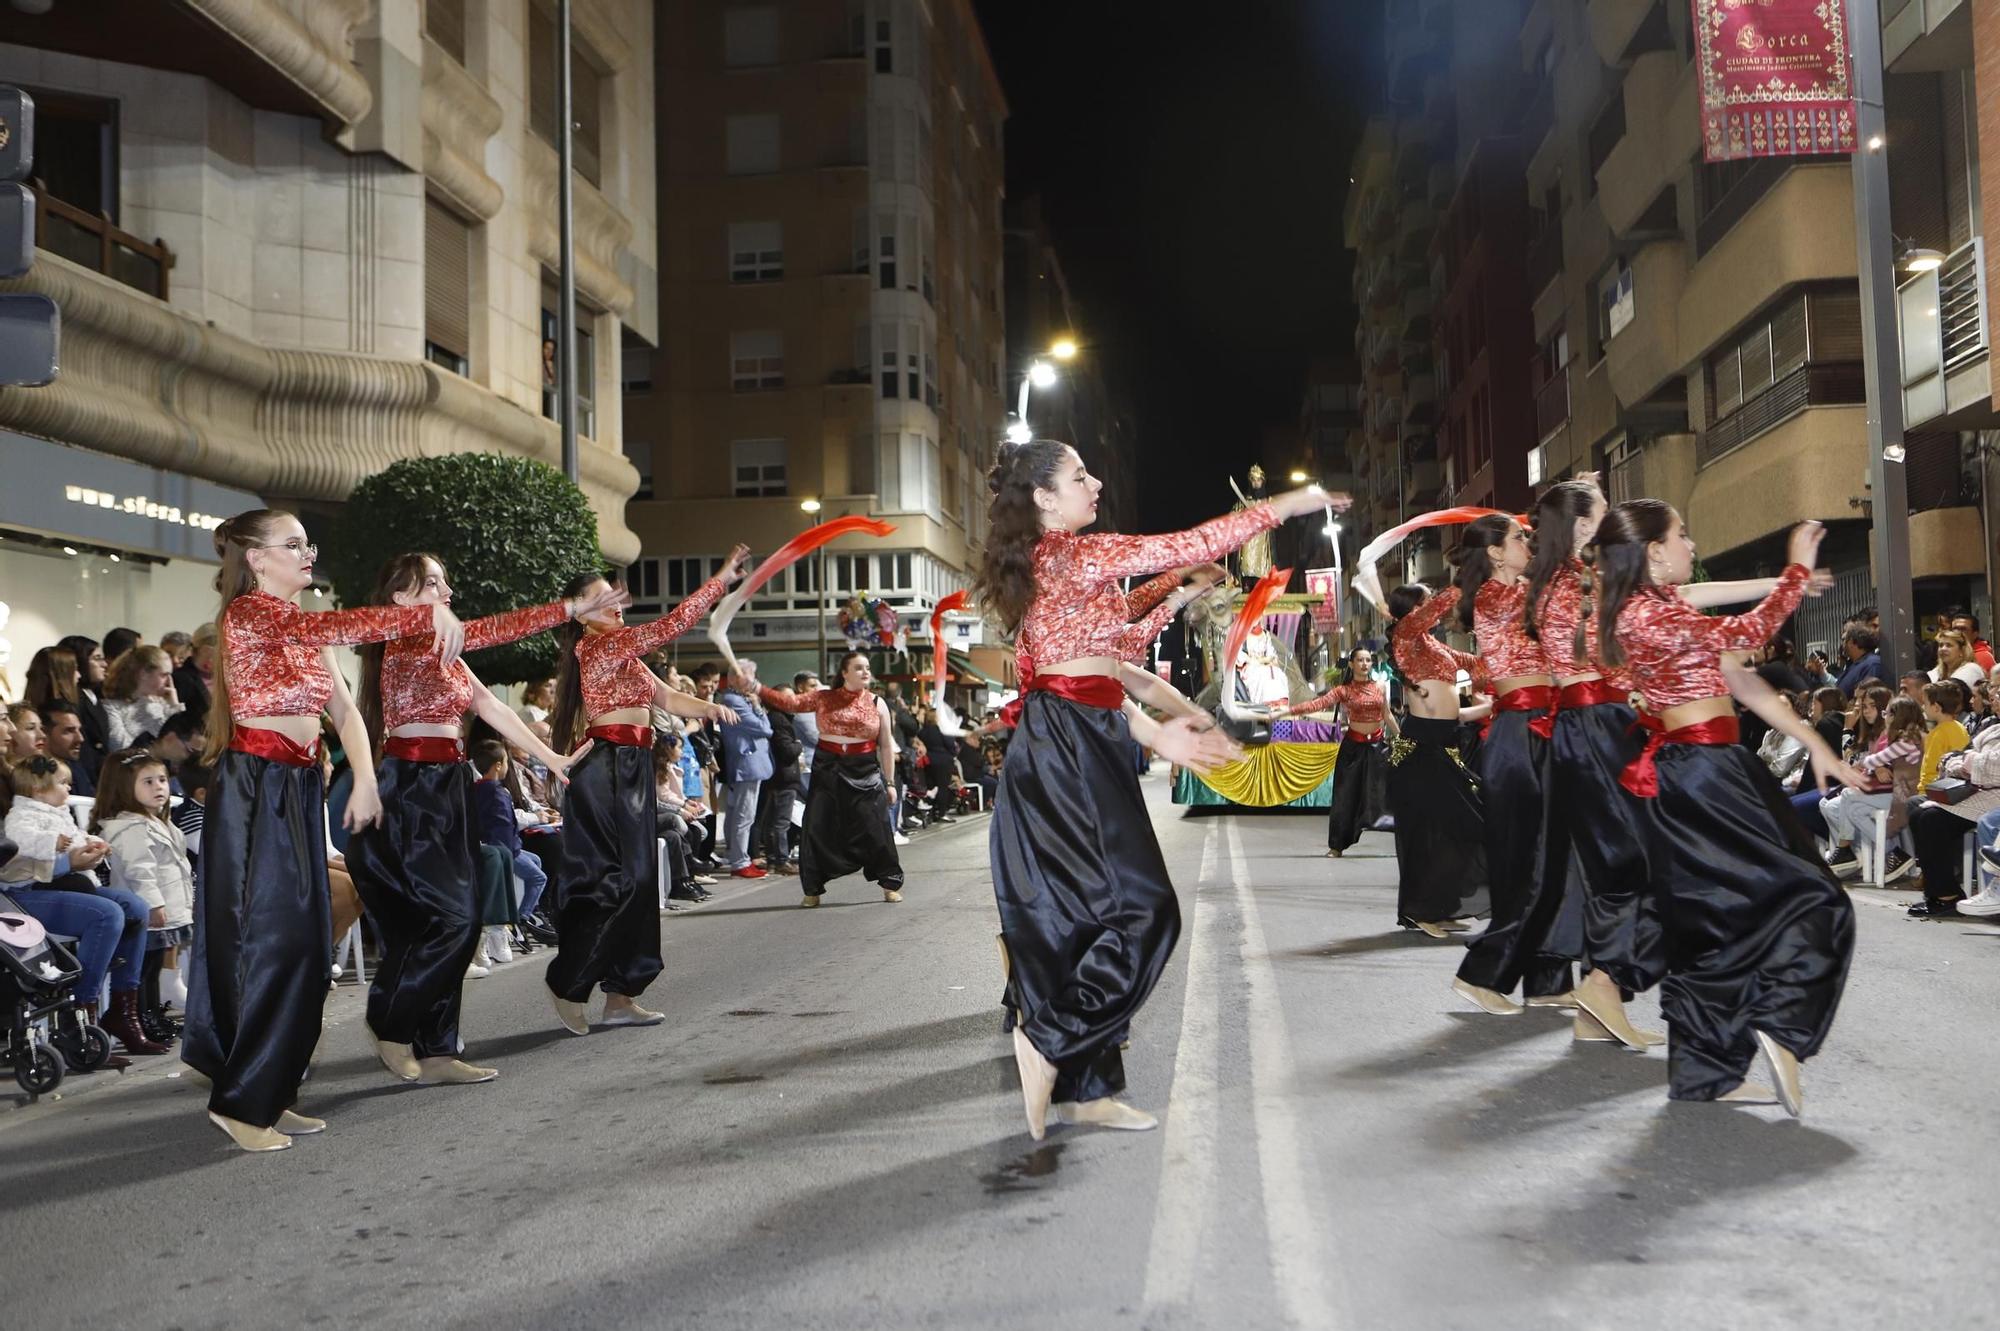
(293, 243)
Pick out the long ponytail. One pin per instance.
(1556, 516)
(567, 719)
(1621, 544)
(234, 540)
(1005, 586)
(1472, 559)
(403, 573)
(1402, 601)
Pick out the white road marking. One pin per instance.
(1188, 1155)
(1302, 1253)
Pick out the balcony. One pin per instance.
(1419, 401)
(1807, 386)
(1926, 36)
(1552, 405)
(1423, 480)
(1799, 230)
(1415, 227)
(1947, 543)
(1942, 317)
(1545, 257)
(1618, 26)
(1386, 416)
(1646, 353)
(1663, 132)
(96, 244)
(1809, 466)
(1417, 305)
(1385, 348)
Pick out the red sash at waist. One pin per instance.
(834, 744)
(1089, 690)
(1642, 777)
(1352, 738)
(1591, 693)
(632, 737)
(1534, 698)
(423, 749)
(275, 745)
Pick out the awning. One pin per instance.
(964, 672)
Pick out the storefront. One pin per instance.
(89, 542)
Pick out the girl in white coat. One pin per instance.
(148, 858)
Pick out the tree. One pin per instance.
(510, 532)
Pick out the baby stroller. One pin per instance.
(46, 1031)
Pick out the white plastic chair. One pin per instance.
(660, 873)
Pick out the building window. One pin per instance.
(752, 145)
(586, 93)
(756, 251)
(913, 362)
(885, 47)
(635, 366)
(930, 379)
(586, 365)
(447, 282)
(892, 378)
(1614, 301)
(750, 36)
(444, 23)
(1805, 352)
(758, 468)
(685, 575)
(76, 158)
(885, 248)
(643, 581)
(640, 454)
(757, 362)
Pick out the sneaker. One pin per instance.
(902, 840)
(476, 972)
(1933, 910)
(1985, 902)
(749, 871)
(1896, 864)
(1843, 862)
(1990, 856)
(703, 880)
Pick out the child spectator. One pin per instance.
(1892, 767)
(149, 857)
(1941, 706)
(493, 814)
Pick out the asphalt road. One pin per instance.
(828, 1134)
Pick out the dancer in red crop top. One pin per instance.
(262, 957)
(1757, 933)
(417, 869)
(1440, 838)
(1360, 773)
(608, 926)
(1533, 940)
(1088, 916)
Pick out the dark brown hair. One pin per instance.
(1621, 544)
(118, 786)
(51, 674)
(1866, 731)
(1005, 586)
(1556, 515)
(567, 719)
(1472, 560)
(1402, 601)
(402, 573)
(234, 540)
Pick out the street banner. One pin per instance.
(1774, 78)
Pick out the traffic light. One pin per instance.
(30, 324)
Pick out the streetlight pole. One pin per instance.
(1881, 344)
(811, 508)
(566, 243)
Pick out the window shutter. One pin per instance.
(447, 277)
(1788, 338)
(444, 21)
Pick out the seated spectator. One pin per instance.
(1863, 662)
(89, 700)
(149, 858)
(1892, 767)
(1968, 626)
(989, 780)
(1828, 716)
(62, 725)
(138, 696)
(178, 743)
(538, 698)
(1978, 709)
(194, 677)
(1954, 660)
(493, 813)
(940, 770)
(119, 641)
(1782, 755)
(188, 815)
(1939, 827)
(1942, 701)
(52, 675)
(1911, 685)
(676, 817)
(178, 646)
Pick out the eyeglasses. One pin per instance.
(304, 548)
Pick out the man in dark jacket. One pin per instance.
(938, 768)
(780, 794)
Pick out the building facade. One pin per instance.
(293, 243)
(830, 298)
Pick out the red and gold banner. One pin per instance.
(1774, 78)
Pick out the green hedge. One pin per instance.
(510, 531)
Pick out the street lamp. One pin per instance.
(1063, 348)
(811, 507)
(1299, 477)
(1019, 433)
(1042, 374)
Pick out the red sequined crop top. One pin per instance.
(1556, 616)
(272, 648)
(1423, 658)
(608, 665)
(417, 691)
(1364, 702)
(1079, 611)
(1674, 650)
(1504, 644)
(843, 713)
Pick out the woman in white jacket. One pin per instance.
(1940, 828)
(149, 859)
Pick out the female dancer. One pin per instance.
(608, 928)
(1360, 781)
(1440, 836)
(417, 868)
(262, 956)
(1526, 943)
(854, 778)
(1087, 913)
(1756, 933)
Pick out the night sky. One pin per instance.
(1192, 162)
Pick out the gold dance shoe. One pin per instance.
(249, 1138)
(398, 1058)
(298, 1125)
(1434, 930)
(574, 1016)
(1748, 1093)
(629, 1014)
(891, 894)
(1589, 1030)
(1106, 1113)
(1038, 1083)
(1455, 926)
(1486, 1000)
(809, 902)
(445, 1070)
(1006, 961)
(1784, 1073)
(1333, 854)
(1610, 1014)
(1567, 1000)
